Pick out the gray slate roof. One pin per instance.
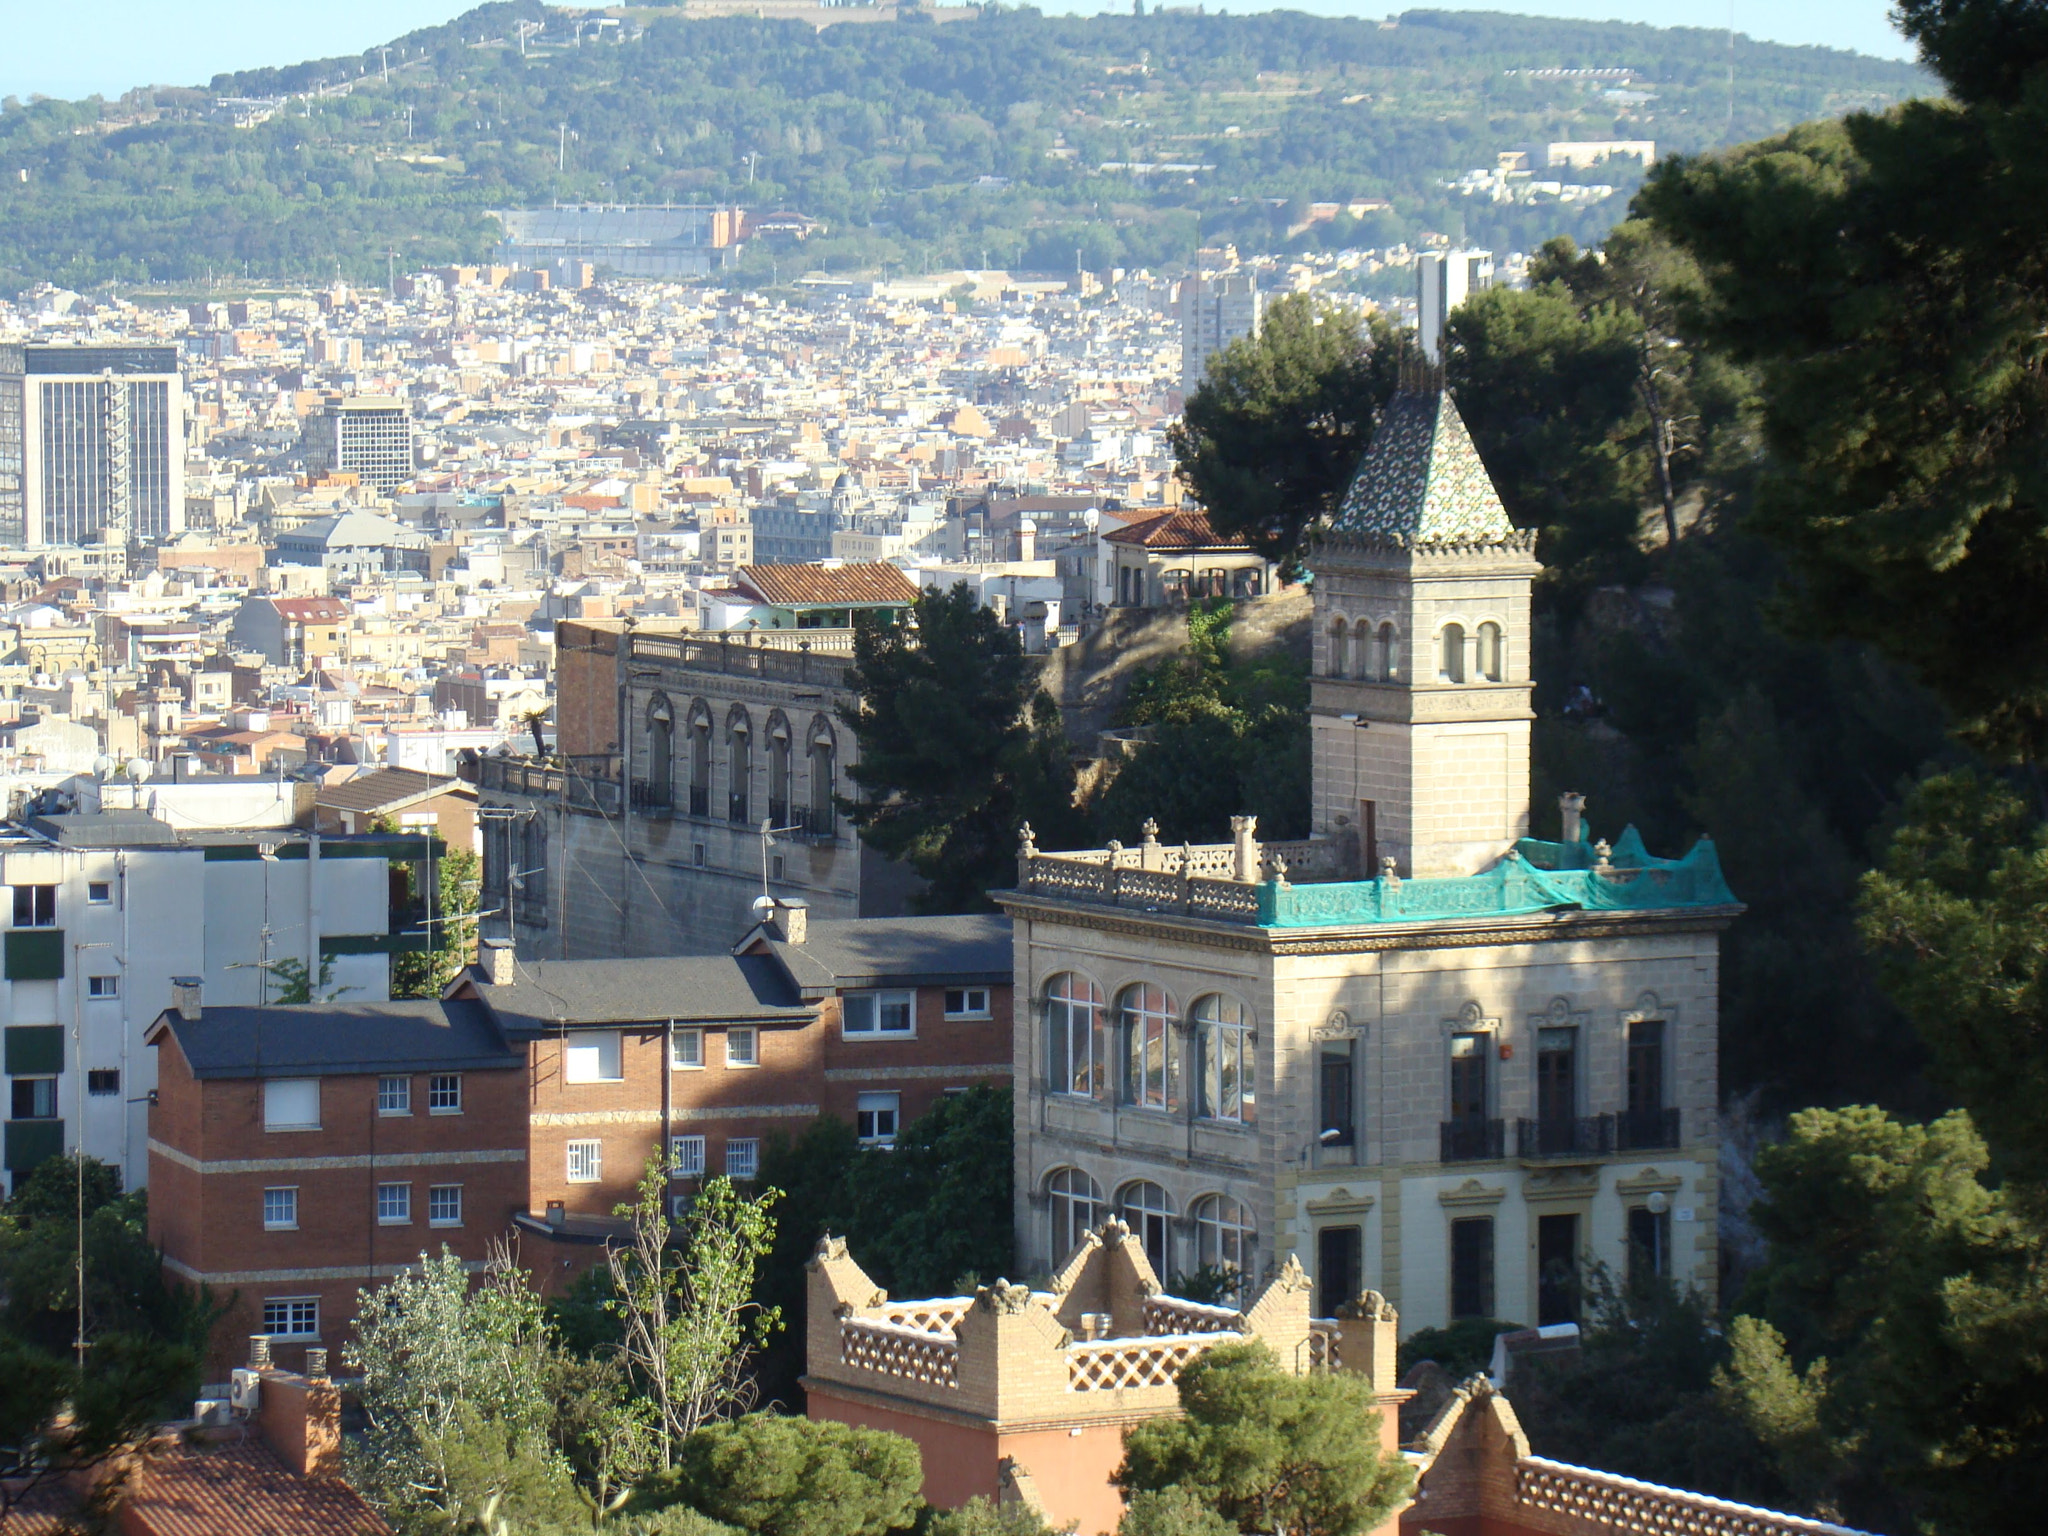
(880, 951)
(1421, 481)
(384, 787)
(339, 1039)
(690, 989)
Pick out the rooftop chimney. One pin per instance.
(793, 916)
(499, 963)
(185, 996)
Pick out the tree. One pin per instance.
(776, 1476)
(980, 1517)
(936, 1208)
(429, 1347)
(1955, 914)
(1271, 437)
(51, 1190)
(958, 747)
(687, 1305)
(452, 939)
(1172, 1512)
(1887, 278)
(1270, 1451)
(294, 984)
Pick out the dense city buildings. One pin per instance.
(367, 437)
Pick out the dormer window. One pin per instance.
(1451, 665)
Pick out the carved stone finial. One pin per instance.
(830, 1247)
(1279, 869)
(1113, 1231)
(1571, 807)
(1003, 1298)
(1150, 832)
(1369, 1307)
(1027, 840)
(1292, 1277)
(1388, 872)
(1115, 848)
(1602, 860)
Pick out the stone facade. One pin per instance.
(1462, 1081)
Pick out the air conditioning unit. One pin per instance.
(245, 1392)
(211, 1410)
(679, 1206)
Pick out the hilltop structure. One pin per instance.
(1448, 1060)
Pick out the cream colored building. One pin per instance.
(1460, 1082)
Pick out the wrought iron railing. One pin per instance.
(1471, 1141)
(1565, 1136)
(1643, 1130)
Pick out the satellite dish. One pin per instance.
(764, 904)
(138, 769)
(102, 766)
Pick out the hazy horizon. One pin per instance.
(135, 44)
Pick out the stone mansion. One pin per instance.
(1424, 1052)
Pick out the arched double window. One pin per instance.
(700, 759)
(661, 751)
(1073, 1206)
(739, 750)
(1226, 1064)
(824, 815)
(1145, 1017)
(1224, 1236)
(1146, 1210)
(1386, 657)
(1451, 662)
(1492, 653)
(1073, 1036)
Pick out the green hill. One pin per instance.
(916, 141)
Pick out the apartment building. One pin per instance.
(1425, 1051)
(299, 1155)
(91, 438)
(104, 909)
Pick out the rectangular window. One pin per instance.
(1645, 1067)
(103, 1081)
(1336, 1082)
(444, 1093)
(281, 1209)
(99, 892)
(291, 1104)
(591, 1056)
(1472, 1267)
(742, 1047)
(878, 1013)
(394, 1095)
(292, 1318)
(586, 1162)
(875, 1116)
(102, 986)
(967, 1002)
(394, 1204)
(444, 1205)
(686, 1053)
(35, 906)
(1649, 1245)
(34, 1098)
(1557, 1269)
(686, 1157)
(742, 1157)
(1339, 1268)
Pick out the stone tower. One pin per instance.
(1420, 696)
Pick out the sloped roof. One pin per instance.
(689, 989)
(1421, 481)
(310, 610)
(850, 585)
(1177, 530)
(384, 789)
(243, 1489)
(973, 949)
(338, 1038)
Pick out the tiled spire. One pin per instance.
(1421, 482)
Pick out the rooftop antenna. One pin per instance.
(765, 903)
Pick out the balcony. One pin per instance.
(1645, 1130)
(653, 797)
(1471, 1141)
(1565, 1137)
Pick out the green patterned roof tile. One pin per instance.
(1422, 482)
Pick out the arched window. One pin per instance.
(1226, 1066)
(1073, 1036)
(700, 759)
(1145, 1209)
(1145, 1017)
(1339, 657)
(530, 880)
(1224, 1236)
(661, 752)
(1386, 654)
(739, 752)
(1074, 1206)
(823, 820)
(1492, 654)
(1451, 666)
(778, 770)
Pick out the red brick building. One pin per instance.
(297, 1155)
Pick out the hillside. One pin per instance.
(915, 141)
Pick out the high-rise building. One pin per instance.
(91, 438)
(1214, 311)
(368, 436)
(1443, 281)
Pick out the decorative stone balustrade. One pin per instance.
(899, 1350)
(1170, 1314)
(939, 1315)
(1115, 1365)
(1588, 1500)
(1325, 1344)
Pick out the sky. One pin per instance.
(78, 47)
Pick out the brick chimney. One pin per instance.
(497, 961)
(300, 1418)
(793, 917)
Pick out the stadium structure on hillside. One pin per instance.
(627, 239)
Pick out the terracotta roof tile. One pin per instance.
(1177, 530)
(242, 1489)
(812, 585)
